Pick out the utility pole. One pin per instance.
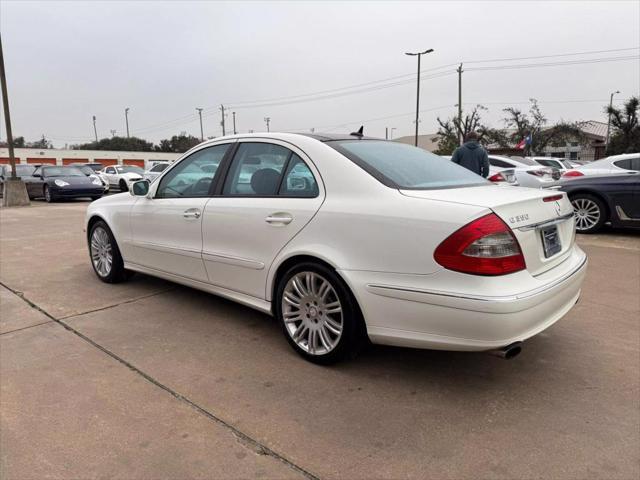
(267, 120)
(392, 129)
(460, 139)
(386, 133)
(14, 190)
(95, 132)
(222, 122)
(7, 118)
(234, 123)
(201, 130)
(606, 140)
(126, 119)
(418, 54)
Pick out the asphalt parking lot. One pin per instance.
(148, 379)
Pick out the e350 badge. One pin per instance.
(519, 218)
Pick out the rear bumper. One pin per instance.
(411, 315)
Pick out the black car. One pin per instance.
(54, 183)
(599, 199)
(22, 170)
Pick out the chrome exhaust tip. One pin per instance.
(508, 352)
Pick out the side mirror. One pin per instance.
(140, 188)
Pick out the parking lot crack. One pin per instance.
(124, 302)
(255, 445)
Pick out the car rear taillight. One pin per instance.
(485, 246)
(539, 172)
(497, 177)
(572, 173)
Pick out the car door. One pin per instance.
(166, 225)
(34, 183)
(110, 175)
(271, 191)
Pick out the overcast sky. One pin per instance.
(67, 61)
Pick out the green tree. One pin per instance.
(450, 130)
(178, 143)
(18, 142)
(43, 143)
(131, 144)
(625, 137)
(534, 123)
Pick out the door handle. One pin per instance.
(191, 213)
(279, 218)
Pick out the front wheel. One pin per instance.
(105, 254)
(318, 314)
(46, 191)
(590, 213)
(123, 186)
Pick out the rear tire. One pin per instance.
(590, 212)
(318, 314)
(105, 255)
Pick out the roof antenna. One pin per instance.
(359, 133)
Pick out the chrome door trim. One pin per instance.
(231, 260)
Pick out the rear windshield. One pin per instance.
(398, 165)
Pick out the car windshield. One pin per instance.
(86, 170)
(398, 165)
(62, 172)
(129, 169)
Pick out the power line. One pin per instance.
(592, 52)
(553, 64)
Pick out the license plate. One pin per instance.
(550, 241)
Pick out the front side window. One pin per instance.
(193, 176)
(110, 170)
(402, 166)
(256, 169)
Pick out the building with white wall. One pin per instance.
(66, 157)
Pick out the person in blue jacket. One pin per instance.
(472, 156)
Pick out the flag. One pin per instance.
(525, 141)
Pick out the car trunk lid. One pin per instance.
(539, 219)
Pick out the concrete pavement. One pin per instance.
(143, 363)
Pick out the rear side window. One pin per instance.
(298, 180)
(256, 169)
(629, 164)
(499, 163)
(398, 165)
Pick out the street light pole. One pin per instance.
(418, 54)
(95, 131)
(234, 123)
(201, 130)
(606, 140)
(126, 119)
(267, 120)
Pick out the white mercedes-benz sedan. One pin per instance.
(344, 238)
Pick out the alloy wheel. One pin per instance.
(101, 251)
(47, 194)
(587, 213)
(312, 313)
